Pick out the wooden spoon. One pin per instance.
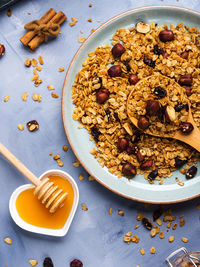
(192, 139)
(50, 195)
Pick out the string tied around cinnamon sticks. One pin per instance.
(43, 30)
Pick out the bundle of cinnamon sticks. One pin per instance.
(32, 39)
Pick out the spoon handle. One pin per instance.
(19, 165)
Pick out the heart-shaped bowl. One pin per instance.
(41, 230)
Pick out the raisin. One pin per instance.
(153, 174)
(157, 50)
(108, 112)
(76, 263)
(47, 262)
(32, 126)
(147, 224)
(116, 117)
(126, 63)
(160, 92)
(157, 213)
(179, 162)
(179, 107)
(161, 113)
(149, 62)
(191, 172)
(96, 133)
(136, 137)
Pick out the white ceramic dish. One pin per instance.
(40, 230)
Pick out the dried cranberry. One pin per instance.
(191, 172)
(157, 50)
(47, 262)
(186, 127)
(76, 263)
(179, 162)
(161, 113)
(149, 62)
(160, 92)
(96, 133)
(147, 224)
(126, 63)
(153, 174)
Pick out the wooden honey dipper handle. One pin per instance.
(19, 165)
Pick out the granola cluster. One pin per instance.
(108, 76)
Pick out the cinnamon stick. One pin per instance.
(59, 18)
(44, 19)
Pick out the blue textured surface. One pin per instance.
(95, 237)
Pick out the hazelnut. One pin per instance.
(186, 79)
(102, 96)
(165, 54)
(184, 55)
(143, 123)
(142, 27)
(166, 36)
(133, 79)
(114, 71)
(139, 156)
(188, 90)
(152, 107)
(2, 50)
(117, 50)
(122, 144)
(146, 164)
(129, 169)
(186, 127)
(170, 114)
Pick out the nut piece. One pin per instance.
(114, 71)
(170, 113)
(129, 170)
(143, 122)
(166, 36)
(186, 127)
(139, 156)
(133, 79)
(32, 126)
(102, 96)
(2, 50)
(122, 144)
(117, 50)
(152, 107)
(142, 27)
(186, 80)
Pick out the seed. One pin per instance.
(102, 96)
(147, 224)
(117, 50)
(170, 114)
(147, 164)
(115, 71)
(32, 125)
(186, 80)
(48, 262)
(160, 92)
(191, 172)
(188, 90)
(152, 107)
(153, 174)
(142, 27)
(186, 127)
(143, 123)
(129, 170)
(166, 36)
(2, 50)
(139, 156)
(122, 144)
(157, 50)
(149, 62)
(133, 79)
(76, 263)
(179, 162)
(184, 55)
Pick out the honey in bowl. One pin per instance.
(32, 211)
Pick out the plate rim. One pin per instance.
(122, 14)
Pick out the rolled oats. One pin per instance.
(33, 262)
(8, 240)
(6, 98)
(24, 96)
(84, 207)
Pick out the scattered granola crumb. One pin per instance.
(127, 239)
(61, 69)
(198, 206)
(89, 20)
(161, 235)
(33, 262)
(169, 224)
(121, 213)
(6, 98)
(24, 96)
(20, 127)
(41, 61)
(171, 239)
(37, 82)
(181, 216)
(135, 239)
(8, 240)
(36, 97)
(159, 221)
(84, 207)
(50, 87)
(180, 183)
(137, 226)
(81, 31)
(35, 72)
(92, 30)
(65, 148)
(142, 251)
(54, 95)
(34, 62)
(174, 226)
(27, 62)
(153, 250)
(35, 77)
(90, 5)
(81, 39)
(168, 218)
(139, 217)
(153, 232)
(60, 163)
(184, 239)
(38, 67)
(182, 222)
(9, 12)
(76, 164)
(50, 154)
(161, 181)
(56, 157)
(81, 177)
(73, 22)
(91, 178)
(110, 211)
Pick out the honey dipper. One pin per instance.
(47, 192)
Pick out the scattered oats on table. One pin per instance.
(24, 96)
(61, 69)
(8, 240)
(110, 211)
(121, 213)
(73, 22)
(91, 178)
(33, 262)
(6, 98)
(37, 97)
(38, 67)
(81, 177)
(40, 59)
(54, 95)
(84, 207)
(142, 251)
(27, 62)
(171, 238)
(34, 62)
(60, 163)
(20, 127)
(76, 164)
(153, 250)
(65, 148)
(56, 157)
(81, 39)
(184, 239)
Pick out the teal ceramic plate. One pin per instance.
(138, 188)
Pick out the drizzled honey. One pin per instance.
(32, 211)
